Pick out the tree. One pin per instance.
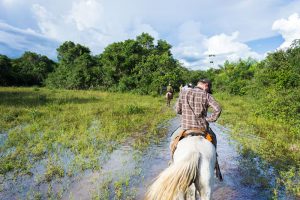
(146, 41)
(31, 69)
(163, 47)
(76, 69)
(6, 76)
(119, 59)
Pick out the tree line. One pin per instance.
(274, 82)
(141, 66)
(138, 65)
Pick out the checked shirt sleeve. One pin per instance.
(216, 109)
(179, 105)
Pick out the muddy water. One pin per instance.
(142, 168)
(126, 173)
(230, 189)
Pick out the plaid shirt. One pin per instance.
(193, 105)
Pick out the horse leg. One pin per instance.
(181, 196)
(192, 192)
(204, 191)
(204, 183)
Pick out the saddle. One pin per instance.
(190, 132)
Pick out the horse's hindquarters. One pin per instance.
(206, 162)
(193, 163)
(197, 144)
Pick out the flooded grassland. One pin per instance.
(52, 138)
(59, 144)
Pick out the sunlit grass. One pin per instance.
(71, 130)
(277, 141)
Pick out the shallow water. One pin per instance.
(126, 173)
(230, 189)
(126, 161)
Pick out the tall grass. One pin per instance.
(71, 130)
(275, 140)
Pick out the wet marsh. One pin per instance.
(50, 137)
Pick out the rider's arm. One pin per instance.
(179, 105)
(216, 109)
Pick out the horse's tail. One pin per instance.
(176, 178)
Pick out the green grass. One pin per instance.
(41, 124)
(275, 140)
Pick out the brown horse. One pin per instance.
(169, 97)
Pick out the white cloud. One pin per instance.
(190, 48)
(26, 40)
(194, 48)
(191, 26)
(9, 2)
(45, 22)
(288, 28)
(87, 14)
(227, 47)
(88, 22)
(140, 27)
(224, 44)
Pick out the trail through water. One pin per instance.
(127, 172)
(143, 168)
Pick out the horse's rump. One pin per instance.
(192, 156)
(169, 95)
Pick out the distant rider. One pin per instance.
(169, 94)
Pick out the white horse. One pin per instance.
(194, 163)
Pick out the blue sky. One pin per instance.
(230, 29)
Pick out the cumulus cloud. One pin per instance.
(194, 28)
(87, 14)
(194, 48)
(139, 28)
(288, 28)
(227, 47)
(190, 47)
(88, 22)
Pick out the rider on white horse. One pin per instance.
(193, 106)
(195, 156)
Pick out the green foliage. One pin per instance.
(77, 69)
(53, 171)
(139, 65)
(84, 125)
(262, 99)
(32, 69)
(6, 74)
(131, 65)
(234, 77)
(29, 69)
